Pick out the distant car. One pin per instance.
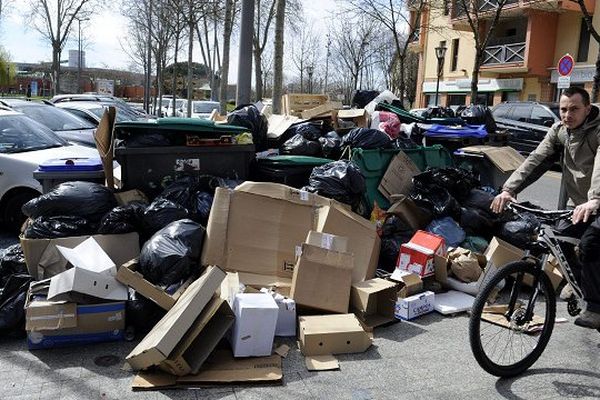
(203, 108)
(24, 144)
(61, 122)
(97, 97)
(93, 111)
(526, 121)
(418, 112)
(168, 104)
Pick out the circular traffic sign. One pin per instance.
(565, 65)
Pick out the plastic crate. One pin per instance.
(151, 169)
(374, 163)
(59, 170)
(290, 170)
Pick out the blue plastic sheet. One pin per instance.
(447, 131)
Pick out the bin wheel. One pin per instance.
(12, 216)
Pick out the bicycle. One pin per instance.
(517, 305)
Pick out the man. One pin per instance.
(577, 135)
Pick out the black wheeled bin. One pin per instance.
(58, 170)
(287, 169)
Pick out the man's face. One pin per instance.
(572, 110)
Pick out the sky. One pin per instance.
(103, 35)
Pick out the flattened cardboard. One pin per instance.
(327, 241)
(201, 339)
(44, 260)
(505, 158)
(332, 334)
(321, 363)
(322, 109)
(256, 228)
(255, 323)
(322, 279)
(128, 275)
(90, 256)
(374, 301)
(398, 176)
(278, 124)
(404, 208)
(168, 332)
(129, 196)
(72, 283)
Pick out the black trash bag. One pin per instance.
(395, 226)
(308, 130)
(476, 222)
(436, 200)
(161, 213)
(124, 219)
(248, 116)
(457, 181)
(366, 138)
(204, 202)
(438, 112)
(59, 226)
(299, 146)
(173, 253)
(331, 144)
(148, 139)
(363, 97)
(340, 180)
(12, 304)
(81, 199)
(520, 232)
(404, 143)
(388, 253)
(12, 261)
(142, 314)
(479, 199)
(182, 192)
(477, 114)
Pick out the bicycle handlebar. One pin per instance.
(546, 214)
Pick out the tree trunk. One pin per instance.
(278, 56)
(56, 68)
(596, 85)
(226, 44)
(258, 73)
(190, 85)
(174, 78)
(475, 77)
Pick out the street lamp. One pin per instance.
(310, 69)
(79, 58)
(440, 53)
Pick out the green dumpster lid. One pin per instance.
(404, 115)
(183, 124)
(295, 160)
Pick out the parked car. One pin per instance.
(168, 103)
(24, 144)
(98, 97)
(93, 111)
(201, 108)
(418, 112)
(61, 122)
(526, 121)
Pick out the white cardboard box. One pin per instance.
(255, 322)
(286, 319)
(69, 284)
(412, 307)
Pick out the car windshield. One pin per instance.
(19, 134)
(121, 116)
(54, 118)
(555, 110)
(205, 106)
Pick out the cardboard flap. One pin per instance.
(278, 124)
(149, 380)
(505, 158)
(398, 176)
(327, 241)
(282, 192)
(90, 256)
(69, 284)
(321, 363)
(50, 315)
(334, 259)
(352, 113)
(213, 250)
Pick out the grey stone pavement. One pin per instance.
(429, 358)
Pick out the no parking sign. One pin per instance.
(564, 68)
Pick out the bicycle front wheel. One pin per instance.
(511, 325)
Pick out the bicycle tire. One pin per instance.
(475, 322)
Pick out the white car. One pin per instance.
(24, 144)
(203, 108)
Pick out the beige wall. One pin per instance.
(567, 36)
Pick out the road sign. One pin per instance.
(565, 65)
(564, 82)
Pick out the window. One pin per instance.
(442, 44)
(584, 42)
(521, 113)
(454, 59)
(541, 116)
(502, 111)
(456, 99)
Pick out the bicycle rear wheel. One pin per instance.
(507, 340)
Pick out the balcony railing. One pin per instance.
(505, 53)
(487, 5)
(481, 6)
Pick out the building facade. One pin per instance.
(520, 59)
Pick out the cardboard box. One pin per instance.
(322, 279)
(374, 301)
(286, 318)
(255, 322)
(327, 241)
(358, 116)
(76, 283)
(332, 334)
(405, 208)
(398, 176)
(58, 324)
(44, 260)
(162, 340)
(414, 306)
(90, 256)
(417, 256)
(256, 228)
(201, 339)
(494, 164)
(409, 283)
(128, 275)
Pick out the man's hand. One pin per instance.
(501, 201)
(583, 211)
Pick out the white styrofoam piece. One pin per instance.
(452, 302)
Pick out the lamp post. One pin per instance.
(79, 58)
(310, 69)
(440, 53)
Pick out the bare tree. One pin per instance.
(265, 14)
(207, 31)
(53, 19)
(477, 14)
(304, 53)
(229, 17)
(278, 56)
(594, 33)
(177, 22)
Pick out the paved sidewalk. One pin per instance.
(427, 359)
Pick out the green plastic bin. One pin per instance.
(374, 163)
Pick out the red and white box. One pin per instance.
(417, 256)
